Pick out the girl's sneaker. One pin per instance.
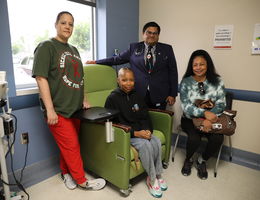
(154, 189)
(162, 184)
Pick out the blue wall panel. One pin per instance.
(121, 19)
(41, 143)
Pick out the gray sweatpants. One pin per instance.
(150, 155)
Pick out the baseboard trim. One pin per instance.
(240, 157)
(36, 172)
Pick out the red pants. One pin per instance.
(65, 133)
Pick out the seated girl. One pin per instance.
(134, 113)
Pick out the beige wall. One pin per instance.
(189, 25)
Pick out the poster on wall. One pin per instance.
(223, 36)
(256, 40)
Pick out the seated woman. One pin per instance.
(134, 113)
(201, 81)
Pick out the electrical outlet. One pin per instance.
(24, 138)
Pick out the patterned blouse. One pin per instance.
(190, 91)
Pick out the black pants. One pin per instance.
(149, 103)
(194, 140)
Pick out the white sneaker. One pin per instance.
(68, 181)
(154, 189)
(95, 184)
(162, 184)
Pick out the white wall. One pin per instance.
(189, 25)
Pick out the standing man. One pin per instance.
(154, 67)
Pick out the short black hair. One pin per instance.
(124, 70)
(211, 74)
(62, 13)
(152, 24)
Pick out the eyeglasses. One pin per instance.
(201, 88)
(151, 33)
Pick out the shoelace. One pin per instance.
(156, 188)
(91, 185)
(87, 186)
(161, 180)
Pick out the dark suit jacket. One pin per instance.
(162, 81)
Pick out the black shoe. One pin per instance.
(186, 169)
(202, 170)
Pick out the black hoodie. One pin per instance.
(133, 110)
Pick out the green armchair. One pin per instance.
(115, 161)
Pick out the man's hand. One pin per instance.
(91, 62)
(170, 100)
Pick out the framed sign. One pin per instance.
(256, 40)
(223, 36)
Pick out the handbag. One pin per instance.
(225, 124)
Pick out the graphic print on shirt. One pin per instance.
(69, 66)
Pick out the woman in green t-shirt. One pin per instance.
(59, 74)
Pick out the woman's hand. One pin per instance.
(86, 104)
(206, 126)
(52, 117)
(146, 134)
(210, 116)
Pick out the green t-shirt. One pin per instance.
(61, 65)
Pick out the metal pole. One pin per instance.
(3, 162)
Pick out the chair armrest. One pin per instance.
(171, 113)
(95, 114)
(122, 126)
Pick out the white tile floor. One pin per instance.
(234, 182)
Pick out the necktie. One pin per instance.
(149, 59)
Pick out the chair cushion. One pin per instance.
(100, 81)
(98, 98)
(99, 78)
(158, 134)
